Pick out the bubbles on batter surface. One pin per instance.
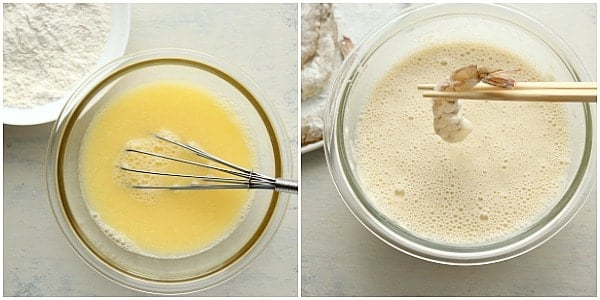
(138, 161)
(116, 237)
(495, 183)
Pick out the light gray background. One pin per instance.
(344, 259)
(341, 258)
(259, 39)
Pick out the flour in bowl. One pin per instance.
(48, 48)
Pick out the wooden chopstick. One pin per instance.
(523, 91)
(527, 85)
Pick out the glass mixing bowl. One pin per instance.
(421, 27)
(155, 275)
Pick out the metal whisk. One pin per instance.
(246, 179)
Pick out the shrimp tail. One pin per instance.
(497, 77)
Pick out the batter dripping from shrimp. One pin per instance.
(448, 122)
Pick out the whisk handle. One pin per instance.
(286, 186)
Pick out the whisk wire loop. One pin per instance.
(248, 179)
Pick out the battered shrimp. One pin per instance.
(310, 31)
(448, 121)
(318, 47)
(312, 129)
(346, 45)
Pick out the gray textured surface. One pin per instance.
(259, 39)
(342, 258)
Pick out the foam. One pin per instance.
(159, 222)
(125, 243)
(139, 161)
(152, 144)
(495, 183)
(117, 238)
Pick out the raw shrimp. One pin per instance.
(448, 121)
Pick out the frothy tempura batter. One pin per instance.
(497, 181)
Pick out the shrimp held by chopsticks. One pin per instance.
(448, 122)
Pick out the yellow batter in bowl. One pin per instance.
(162, 223)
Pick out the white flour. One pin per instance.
(48, 48)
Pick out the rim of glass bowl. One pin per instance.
(355, 199)
(102, 78)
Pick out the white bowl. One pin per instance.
(115, 47)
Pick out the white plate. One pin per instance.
(115, 47)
